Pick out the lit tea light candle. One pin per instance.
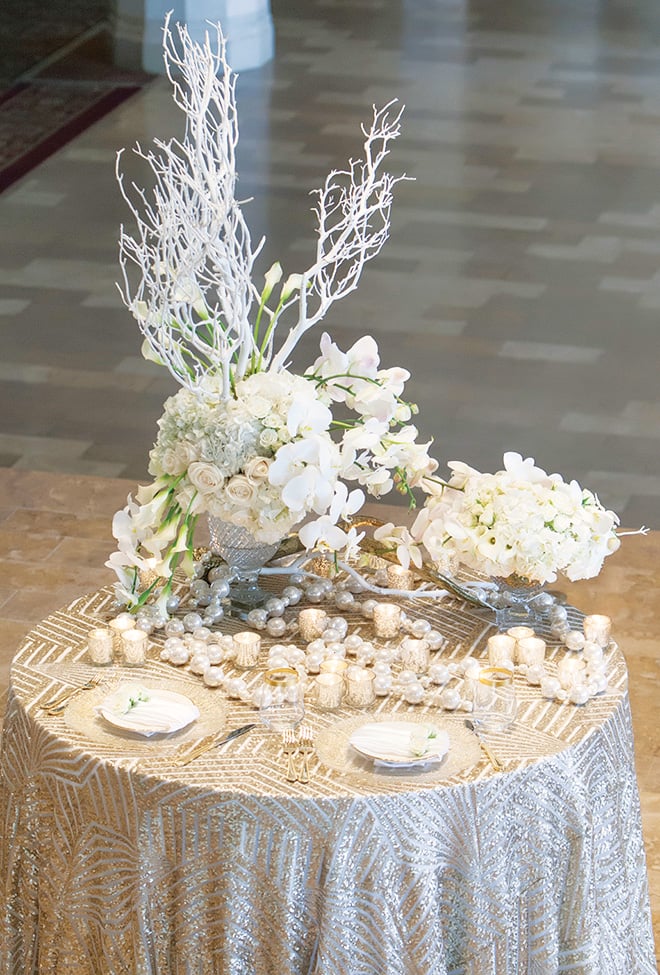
(520, 632)
(387, 620)
(246, 646)
(597, 629)
(530, 650)
(360, 690)
(400, 578)
(571, 671)
(100, 646)
(120, 625)
(415, 655)
(334, 665)
(501, 650)
(329, 690)
(312, 623)
(134, 647)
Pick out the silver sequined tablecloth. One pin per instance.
(113, 861)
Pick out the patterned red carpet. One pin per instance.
(57, 77)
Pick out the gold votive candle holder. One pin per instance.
(134, 647)
(312, 622)
(247, 646)
(360, 690)
(501, 649)
(387, 620)
(121, 624)
(415, 654)
(530, 650)
(400, 578)
(597, 629)
(329, 690)
(100, 646)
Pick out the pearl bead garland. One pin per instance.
(190, 642)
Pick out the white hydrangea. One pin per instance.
(519, 521)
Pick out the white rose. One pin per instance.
(256, 469)
(240, 491)
(268, 437)
(175, 460)
(205, 477)
(257, 405)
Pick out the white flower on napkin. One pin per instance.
(420, 738)
(127, 697)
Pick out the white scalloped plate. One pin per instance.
(164, 713)
(389, 742)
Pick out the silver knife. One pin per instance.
(211, 741)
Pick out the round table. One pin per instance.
(114, 860)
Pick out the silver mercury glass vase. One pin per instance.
(246, 557)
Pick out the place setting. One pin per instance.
(146, 717)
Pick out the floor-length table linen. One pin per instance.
(114, 861)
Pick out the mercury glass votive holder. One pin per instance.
(400, 578)
(134, 647)
(415, 655)
(360, 690)
(501, 649)
(100, 646)
(530, 650)
(387, 620)
(520, 632)
(120, 625)
(571, 670)
(247, 646)
(312, 622)
(334, 665)
(329, 690)
(597, 629)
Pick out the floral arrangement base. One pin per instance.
(517, 603)
(246, 557)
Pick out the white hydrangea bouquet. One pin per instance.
(519, 522)
(247, 440)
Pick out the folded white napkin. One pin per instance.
(163, 713)
(398, 743)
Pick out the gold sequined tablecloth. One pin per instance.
(114, 861)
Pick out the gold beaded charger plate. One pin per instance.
(334, 749)
(81, 717)
(401, 743)
(146, 710)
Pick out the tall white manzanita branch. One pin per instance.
(192, 247)
(353, 211)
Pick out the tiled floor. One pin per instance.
(520, 285)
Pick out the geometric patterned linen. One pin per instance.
(115, 862)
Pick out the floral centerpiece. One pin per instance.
(246, 439)
(519, 522)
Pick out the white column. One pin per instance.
(247, 25)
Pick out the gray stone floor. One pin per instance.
(521, 283)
